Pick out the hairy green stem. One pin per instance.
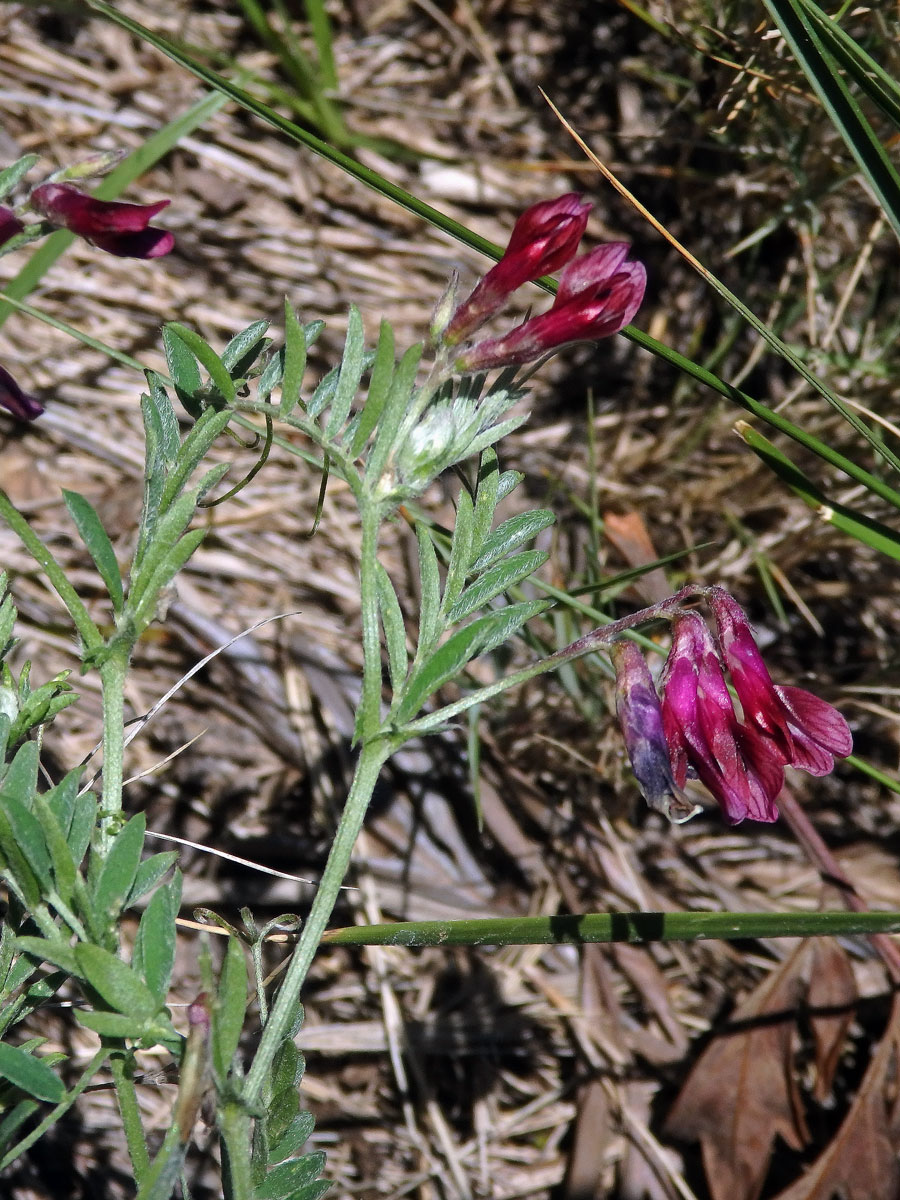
(130, 1114)
(112, 678)
(369, 718)
(234, 1130)
(368, 767)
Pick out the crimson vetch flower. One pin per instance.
(598, 295)
(706, 740)
(738, 754)
(10, 224)
(120, 229)
(543, 239)
(19, 403)
(807, 732)
(640, 716)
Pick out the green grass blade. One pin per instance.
(880, 87)
(636, 927)
(822, 72)
(864, 529)
(112, 186)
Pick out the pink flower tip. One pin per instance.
(118, 228)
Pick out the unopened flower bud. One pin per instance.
(544, 238)
(598, 295)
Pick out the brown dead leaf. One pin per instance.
(742, 1092)
(628, 533)
(861, 1162)
(831, 986)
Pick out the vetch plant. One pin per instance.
(387, 427)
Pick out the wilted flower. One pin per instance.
(543, 239)
(120, 229)
(807, 732)
(640, 717)
(598, 295)
(19, 403)
(10, 224)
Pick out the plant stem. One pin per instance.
(112, 679)
(131, 1114)
(371, 759)
(234, 1125)
(369, 717)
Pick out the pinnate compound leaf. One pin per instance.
(114, 1024)
(244, 348)
(512, 533)
(11, 175)
(183, 368)
(96, 539)
(207, 357)
(115, 981)
(21, 776)
(379, 390)
(284, 1180)
(741, 1093)
(149, 873)
(293, 1137)
(505, 574)
(394, 628)
(479, 637)
(353, 362)
(229, 1008)
(30, 1074)
(430, 586)
(118, 873)
(154, 947)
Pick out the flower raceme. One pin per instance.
(19, 403)
(693, 727)
(117, 228)
(543, 239)
(598, 295)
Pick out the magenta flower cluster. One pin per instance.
(599, 293)
(690, 728)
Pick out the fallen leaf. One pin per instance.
(741, 1093)
(831, 986)
(861, 1162)
(628, 533)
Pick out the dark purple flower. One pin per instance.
(544, 238)
(19, 403)
(807, 732)
(598, 295)
(120, 229)
(738, 766)
(640, 717)
(10, 224)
